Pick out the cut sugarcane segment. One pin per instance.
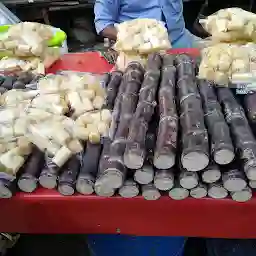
(150, 192)
(199, 191)
(164, 179)
(145, 175)
(252, 183)
(188, 180)
(129, 189)
(211, 174)
(221, 143)
(178, 193)
(234, 180)
(217, 191)
(243, 195)
(67, 179)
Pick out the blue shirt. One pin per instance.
(109, 12)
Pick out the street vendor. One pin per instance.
(109, 12)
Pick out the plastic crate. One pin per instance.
(123, 245)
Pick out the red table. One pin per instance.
(46, 211)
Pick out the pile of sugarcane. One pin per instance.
(170, 134)
(177, 135)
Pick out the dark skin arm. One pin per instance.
(109, 32)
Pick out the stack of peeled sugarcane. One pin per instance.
(156, 130)
(44, 125)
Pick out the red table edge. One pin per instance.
(78, 61)
(46, 211)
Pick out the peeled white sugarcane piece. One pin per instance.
(188, 179)
(29, 178)
(112, 88)
(243, 137)
(44, 143)
(178, 192)
(185, 65)
(211, 174)
(234, 180)
(165, 151)
(75, 146)
(106, 116)
(89, 94)
(217, 191)
(150, 192)
(87, 175)
(145, 175)
(221, 143)
(129, 189)
(38, 114)
(13, 96)
(62, 156)
(242, 196)
(252, 184)
(94, 137)
(135, 154)
(12, 161)
(25, 146)
(67, 179)
(164, 179)
(98, 102)
(50, 130)
(7, 131)
(82, 133)
(199, 191)
(20, 126)
(7, 115)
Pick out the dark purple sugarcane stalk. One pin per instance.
(112, 88)
(67, 179)
(49, 174)
(221, 144)
(241, 132)
(29, 178)
(89, 169)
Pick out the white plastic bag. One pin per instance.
(231, 25)
(142, 36)
(26, 39)
(224, 63)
